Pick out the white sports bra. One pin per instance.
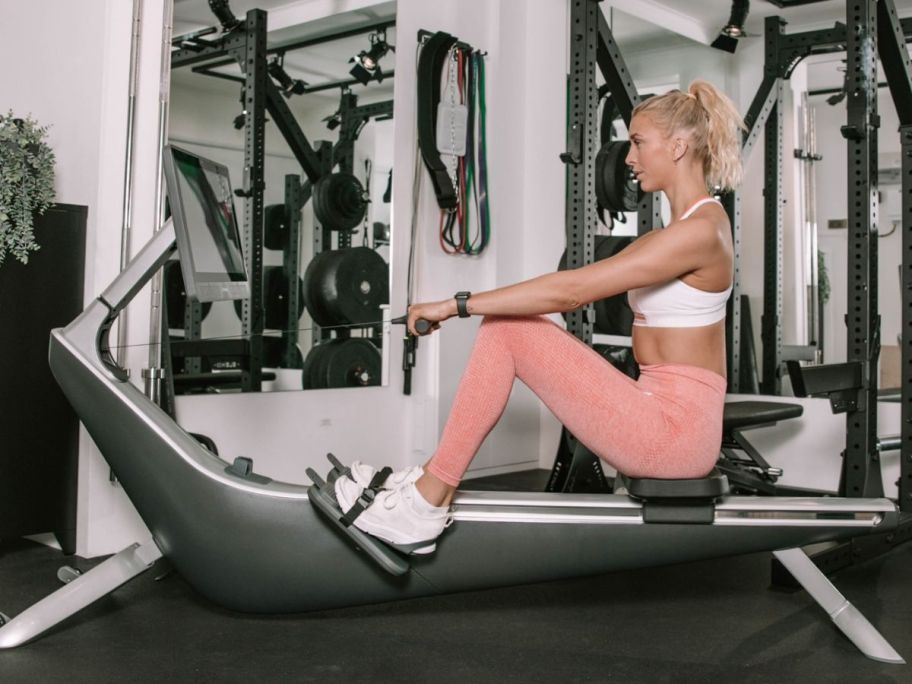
(676, 304)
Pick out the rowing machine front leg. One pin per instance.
(846, 616)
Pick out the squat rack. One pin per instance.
(245, 43)
(876, 30)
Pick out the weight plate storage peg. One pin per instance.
(339, 201)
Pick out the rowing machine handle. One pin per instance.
(421, 325)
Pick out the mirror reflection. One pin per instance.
(324, 104)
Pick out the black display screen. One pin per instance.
(206, 210)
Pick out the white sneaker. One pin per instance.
(401, 517)
(363, 474)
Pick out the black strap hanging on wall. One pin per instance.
(457, 162)
(430, 63)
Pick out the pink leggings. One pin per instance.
(667, 424)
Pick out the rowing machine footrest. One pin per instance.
(678, 501)
(323, 498)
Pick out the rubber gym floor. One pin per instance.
(708, 621)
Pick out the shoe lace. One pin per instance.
(391, 500)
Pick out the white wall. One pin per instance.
(84, 99)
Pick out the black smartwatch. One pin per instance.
(461, 299)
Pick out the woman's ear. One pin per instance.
(678, 149)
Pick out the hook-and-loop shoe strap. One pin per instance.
(368, 494)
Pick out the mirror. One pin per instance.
(322, 70)
(644, 46)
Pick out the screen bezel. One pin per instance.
(207, 291)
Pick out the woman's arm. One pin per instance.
(682, 248)
(672, 252)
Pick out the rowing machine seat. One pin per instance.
(677, 501)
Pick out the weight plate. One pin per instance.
(320, 292)
(275, 299)
(176, 295)
(346, 286)
(362, 281)
(275, 227)
(310, 378)
(339, 201)
(612, 314)
(274, 353)
(354, 362)
(615, 188)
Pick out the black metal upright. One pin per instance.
(897, 67)
(861, 467)
(582, 147)
(344, 149)
(755, 121)
(291, 265)
(905, 479)
(253, 64)
(771, 329)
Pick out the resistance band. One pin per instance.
(454, 147)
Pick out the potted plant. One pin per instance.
(26, 183)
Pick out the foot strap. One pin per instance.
(368, 494)
(322, 497)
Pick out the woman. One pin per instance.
(668, 423)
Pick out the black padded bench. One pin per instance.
(747, 470)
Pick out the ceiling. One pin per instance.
(316, 64)
(636, 24)
(641, 24)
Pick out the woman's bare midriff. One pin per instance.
(703, 346)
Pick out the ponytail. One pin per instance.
(714, 126)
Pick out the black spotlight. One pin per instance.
(289, 86)
(836, 98)
(241, 119)
(367, 63)
(333, 121)
(224, 14)
(734, 28)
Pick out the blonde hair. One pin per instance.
(714, 126)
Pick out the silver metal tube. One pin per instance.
(155, 321)
(805, 211)
(127, 218)
(812, 231)
(893, 443)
